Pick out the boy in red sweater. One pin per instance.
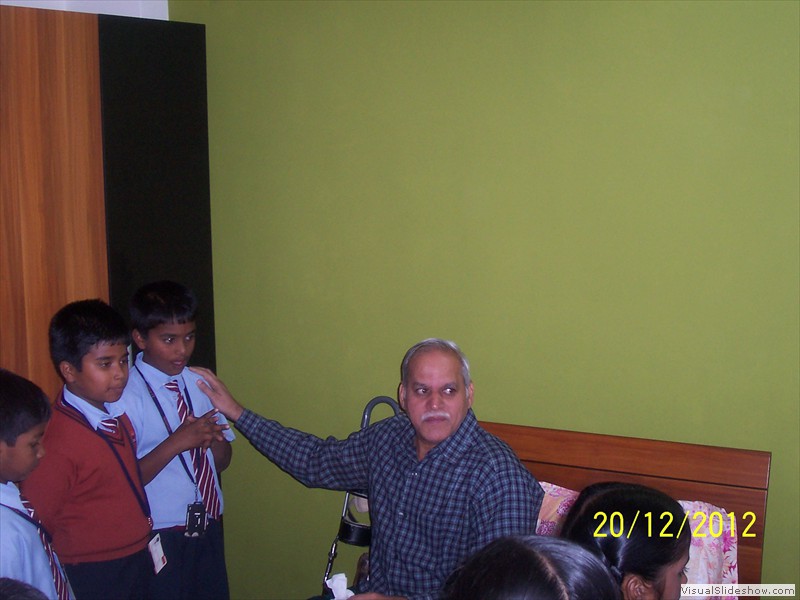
(87, 490)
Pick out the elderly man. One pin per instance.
(439, 486)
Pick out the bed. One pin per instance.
(733, 479)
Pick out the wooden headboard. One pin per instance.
(736, 480)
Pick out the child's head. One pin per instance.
(89, 348)
(14, 589)
(532, 567)
(650, 556)
(163, 318)
(24, 412)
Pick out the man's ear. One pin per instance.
(138, 339)
(401, 396)
(67, 370)
(635, 588)
(470, 394)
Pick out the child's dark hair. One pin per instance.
(647, 546)
(162, 302)
(14, 589)
(531, 567)
(80, 325)
(23, 406)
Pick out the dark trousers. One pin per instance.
(195, 567)
(125, 578)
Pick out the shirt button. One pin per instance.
(400, 513)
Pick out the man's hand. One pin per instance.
(219, 395)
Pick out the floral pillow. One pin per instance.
(555, 506)
(712, 556)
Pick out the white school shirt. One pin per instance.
(171, 490)
(22, 555)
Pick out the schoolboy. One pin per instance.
(25, 553)
(183, 444)
(87, 490)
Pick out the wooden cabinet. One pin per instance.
(103, 171)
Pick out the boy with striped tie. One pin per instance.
(183, 445)
(88, 491)
(26, 553)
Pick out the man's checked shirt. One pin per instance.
(426, 516)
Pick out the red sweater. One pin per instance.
(81, 494)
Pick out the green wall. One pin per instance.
(598, 201)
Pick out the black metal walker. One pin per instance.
(350, 530)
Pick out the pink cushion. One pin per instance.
(712, 555)
(555, 506)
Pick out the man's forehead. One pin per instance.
(425, 360)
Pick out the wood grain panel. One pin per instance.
(51, 179)
(656, 458)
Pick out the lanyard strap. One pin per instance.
(166, 423)
(32, 521)
(140, 498)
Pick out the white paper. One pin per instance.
(338, 585)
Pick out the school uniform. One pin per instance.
(88, 493)
(22, 554)
(195, 567)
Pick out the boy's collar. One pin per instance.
(93, 414)
(154, 376)
(9, 491)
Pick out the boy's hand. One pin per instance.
(218, 393)
(194, 432)
(199, 432)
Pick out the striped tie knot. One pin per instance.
(183, 410)
(110, 425)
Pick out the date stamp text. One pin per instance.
(701, 524)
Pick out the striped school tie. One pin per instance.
(111, 428)
(203, 473)
(59, 578)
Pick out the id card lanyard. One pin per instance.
(169, 429)
(141, 498)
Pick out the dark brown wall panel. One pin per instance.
(155, 135)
